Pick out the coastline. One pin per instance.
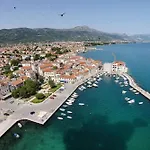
(48, 106)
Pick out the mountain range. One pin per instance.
(79, 33)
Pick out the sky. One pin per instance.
(113, 16)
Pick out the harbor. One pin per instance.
(40, 113)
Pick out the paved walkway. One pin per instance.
(49, 106)
(136, 87)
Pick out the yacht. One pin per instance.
(63, 114)
(89, 86)
(69, 112)
(123, 92)
(131, 101)
(59, 118)
(140, 103)
(16, 135)
(95, 85)
(81, 104)
(69, 117)
(62, 109)
(116, 81)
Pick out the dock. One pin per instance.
(45, 110)
(136, 87)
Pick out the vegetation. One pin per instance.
(55, 88)
(28, 89)
(26, 35)
(40, 96)
(36, 57)
(51, 83)
(14, 62)
(6, 70)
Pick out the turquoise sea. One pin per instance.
(106, 121)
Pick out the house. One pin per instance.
(4, 90)
(68, 78)
(16, 83)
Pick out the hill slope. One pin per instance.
(80, 33)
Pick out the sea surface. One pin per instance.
(106, 121)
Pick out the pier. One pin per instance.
(136, 87)
(45, 110)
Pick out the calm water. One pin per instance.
(106, 122)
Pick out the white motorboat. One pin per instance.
(95, 85)
(127, 98)
(140, 103)
(134, 91)
(81, 89)
(116, 81)
(120, 82)
(61, 109)
(121, 85)
(69, 112)
(64, 105)
(63, 114)
(69, 103)
(131, 101)
(123, 92)
(69, 117)
(89, 86)
(59, 118)
(89, 82)
(137, 93)
(117, 78)
(81, 104)
(19, 125)
(16, 135)
(130, 89)
(96, 82)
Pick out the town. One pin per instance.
(30, 74)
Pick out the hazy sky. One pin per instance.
(122, 16)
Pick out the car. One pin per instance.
(54, 95)
(51, 97)
(32, 112)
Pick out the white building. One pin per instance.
(4, 90)
(119, 67)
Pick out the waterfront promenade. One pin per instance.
(136, 87)
(43, 111)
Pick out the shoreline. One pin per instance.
(48, 106)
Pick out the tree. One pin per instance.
(40, 96)
(14, 62)
(36, 57)
(55, 67)
(48, 55)
(51, 83)
(15, 93)
(23, 92)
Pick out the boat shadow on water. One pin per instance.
(98, 134)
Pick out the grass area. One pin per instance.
(35, 100)
(55, 88)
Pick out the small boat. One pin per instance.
(16, 135)
(99, 79)
(89, 86)
(62, 109)
(95, 85)
(81, 89)
(89, 82)
(137, 93)
(69, 112)
(69, 103)
(131, 101)
(81, 104)
(127, 98)
(59, 118)
(63, 114)
(120, 82)
(121, 85)
(140, 103)
(96, 82)
(116, 81)
(126, 84)
(64, 105)
(123, 92)
(117, 78)
(69, 117)
(134, 91)
(130, 89)
(19, 125)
